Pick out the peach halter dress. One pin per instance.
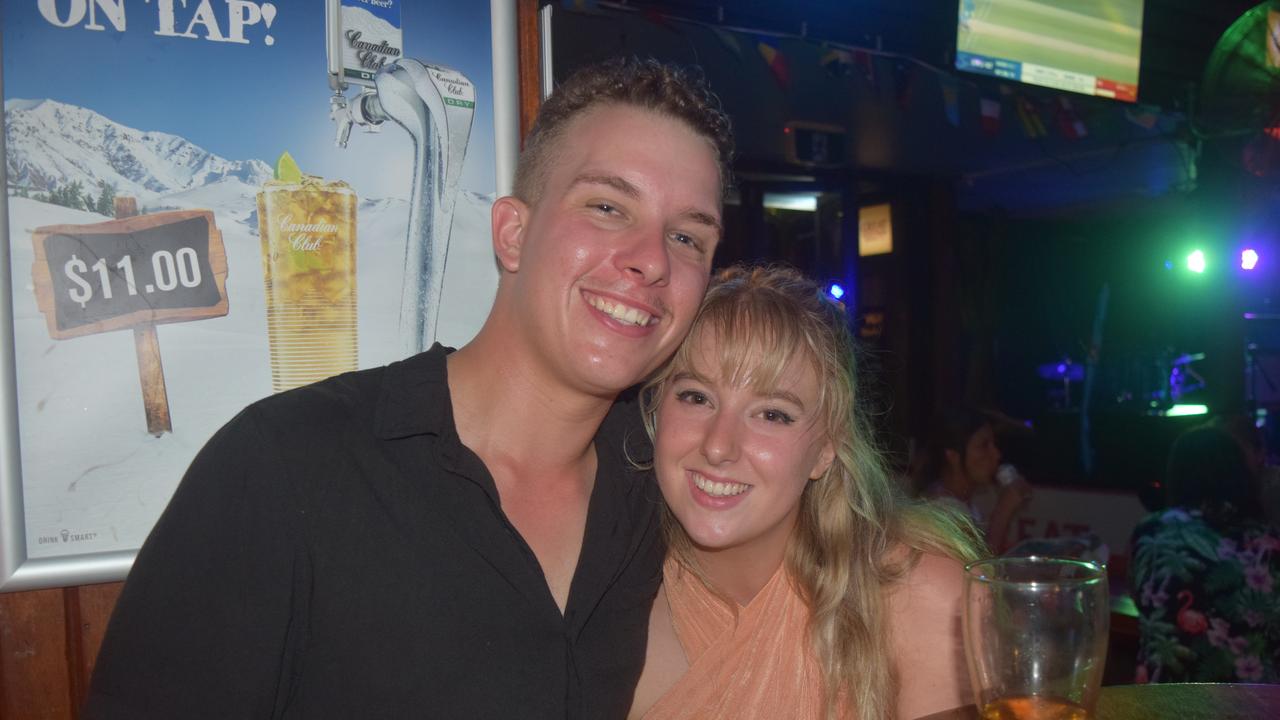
(745, 663)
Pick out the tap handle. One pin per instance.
(344, 133)
(338, 112)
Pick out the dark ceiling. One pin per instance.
(1117, 161)
(1178, 35)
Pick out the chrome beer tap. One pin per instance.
(434, 104)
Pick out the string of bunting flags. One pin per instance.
(892, 75)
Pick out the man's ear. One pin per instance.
(507, 219)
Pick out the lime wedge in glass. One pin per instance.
(286, 169)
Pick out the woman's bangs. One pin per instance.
(752, 342)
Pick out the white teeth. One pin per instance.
(620, 312)
(719, 489)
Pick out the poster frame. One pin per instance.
(19, 571)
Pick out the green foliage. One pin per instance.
(1213, 666)
(71, 195)
(106, 202)
(1223, 577)
(1163, 648)
(74, 195)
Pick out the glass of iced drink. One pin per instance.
(308, 232)
(1035, 634)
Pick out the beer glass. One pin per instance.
(308, 232)
(1035, 634)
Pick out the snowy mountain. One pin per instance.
(51, 143)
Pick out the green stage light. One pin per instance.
(1185, 410)
(1195, 261)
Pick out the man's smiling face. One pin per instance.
(615, 255)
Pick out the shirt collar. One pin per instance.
(414, 397)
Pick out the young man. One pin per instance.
(458, 535)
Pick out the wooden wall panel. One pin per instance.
(529, 40)
(35, 680)
(49, 640)
(94, 605)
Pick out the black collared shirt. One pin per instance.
(336, 552)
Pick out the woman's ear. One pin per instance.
(507, 220)
(825, 458)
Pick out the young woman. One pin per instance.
(799, 582)
(963, 458)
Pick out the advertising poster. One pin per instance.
(186, 236)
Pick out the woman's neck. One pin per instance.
(739, 573)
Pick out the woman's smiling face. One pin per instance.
(733, 457)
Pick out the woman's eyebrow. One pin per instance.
(786, 396)
(689, 374)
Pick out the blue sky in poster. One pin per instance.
(388, 10)
(249, 100)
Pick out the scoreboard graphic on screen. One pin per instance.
(1085, 46)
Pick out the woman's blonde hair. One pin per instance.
(843, 554)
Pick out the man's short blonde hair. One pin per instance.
(647, 84)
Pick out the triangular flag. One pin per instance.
(990, 115)
(730, 41)
(904, 79)
(837, 62)
(777, 63)
(1069, 122)
(1142, 117)
(866, 63)
(950, 99)
(658, 18)
(1032, 125)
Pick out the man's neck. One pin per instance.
(509, 412)
(535, 437)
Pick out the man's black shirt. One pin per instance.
(336, 552)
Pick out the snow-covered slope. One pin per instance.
(51, 143)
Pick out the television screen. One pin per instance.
(1084, 46)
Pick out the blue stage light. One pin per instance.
(835, 291)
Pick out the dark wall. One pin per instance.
(1002, 242)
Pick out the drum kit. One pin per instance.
(1148, 383)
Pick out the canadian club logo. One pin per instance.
(305, 235)
(372, 56)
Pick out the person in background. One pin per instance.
(799, 582)
(1252, 441)
(962, 460)
(459, 534)
(1206, 571)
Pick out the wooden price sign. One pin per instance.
(133, 272)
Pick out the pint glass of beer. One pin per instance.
(1035, 633)
(308, 232)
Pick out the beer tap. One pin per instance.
(362, 111)
(434, 104)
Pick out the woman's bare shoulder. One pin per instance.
(924, 616)
(942, 576)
